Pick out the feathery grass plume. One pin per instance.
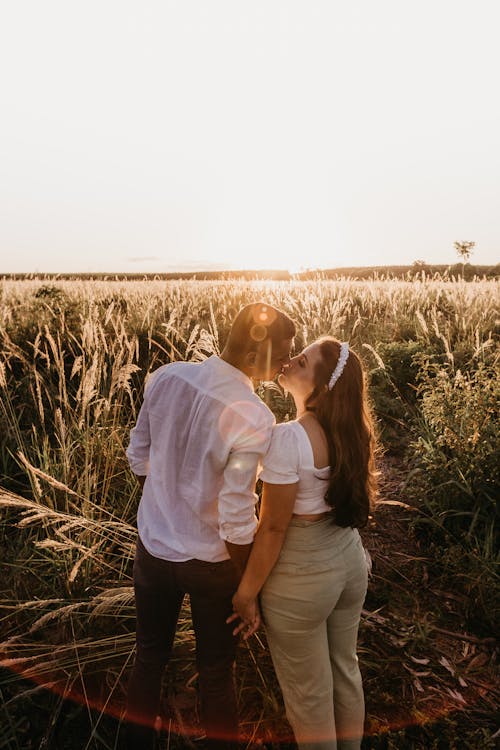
(377, 357)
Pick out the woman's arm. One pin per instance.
(276, 511)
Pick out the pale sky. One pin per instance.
(159, 135)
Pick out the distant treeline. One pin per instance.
(415, 271)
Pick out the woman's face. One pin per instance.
(297, 376)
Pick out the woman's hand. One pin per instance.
(247, 611)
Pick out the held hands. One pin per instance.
(247, 611)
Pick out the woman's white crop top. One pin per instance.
(290, 459)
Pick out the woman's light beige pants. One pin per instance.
(311, 605)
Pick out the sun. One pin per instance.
(295, 268)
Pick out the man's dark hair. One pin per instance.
(256, 323)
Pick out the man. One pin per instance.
(195, 450)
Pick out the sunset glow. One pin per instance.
(276, 135)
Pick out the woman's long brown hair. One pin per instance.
(344, 414)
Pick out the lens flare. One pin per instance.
(264, 315)
(258, 332)
(90, 695)
(236, 426)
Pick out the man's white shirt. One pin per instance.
(199, 439)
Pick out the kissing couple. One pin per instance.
(201, 438)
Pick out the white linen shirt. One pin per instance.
(199, 438)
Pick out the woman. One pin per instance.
(307, 560)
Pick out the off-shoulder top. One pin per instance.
(289, 460)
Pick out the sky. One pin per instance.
(149, 136)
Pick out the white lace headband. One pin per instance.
(339, 368)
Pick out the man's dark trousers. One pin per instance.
(159, 587)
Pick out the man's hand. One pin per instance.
(247, 611)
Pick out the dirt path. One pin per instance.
(421, 662)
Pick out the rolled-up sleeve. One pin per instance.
(140, 441)
(281, 462)
(237, 498)
(237, 519)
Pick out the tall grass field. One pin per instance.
(73, 361)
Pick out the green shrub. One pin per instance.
(457, 447)
(392, 389)
(456, 481)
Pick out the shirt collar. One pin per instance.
(230, 370)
